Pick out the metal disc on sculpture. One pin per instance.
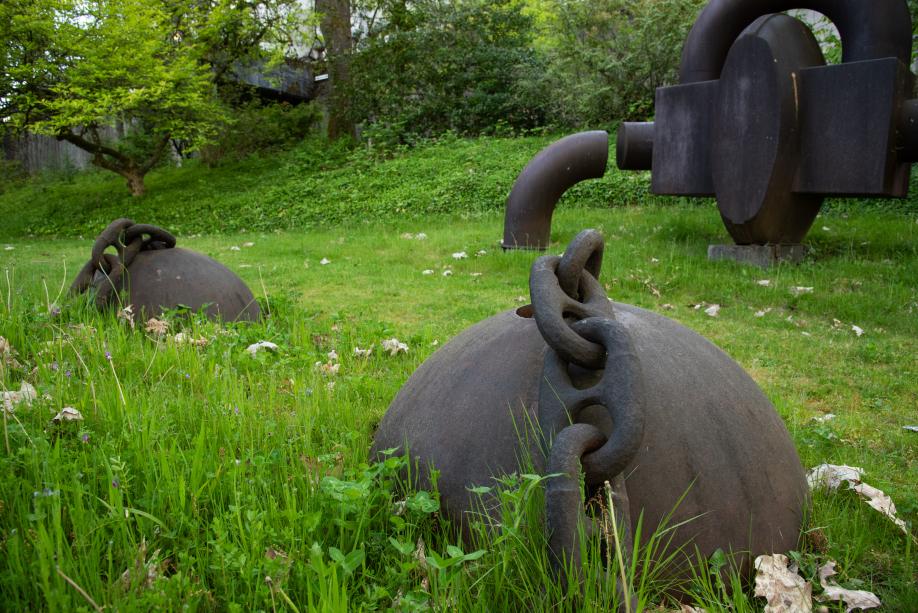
(710, 436)
(152, 275)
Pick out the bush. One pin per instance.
(257, 127)
(606, 58)
(464, 66)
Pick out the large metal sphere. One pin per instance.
(710, 433)
(162, 279)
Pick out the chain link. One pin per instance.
(577, 321)
(104, 270)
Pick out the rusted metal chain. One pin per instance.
(577, 321)
(104, 270)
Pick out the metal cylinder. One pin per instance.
(574, 158)
(634, 145)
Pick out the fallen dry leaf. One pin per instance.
(127, 314)
(254, 348)
(831, 476)
(786, 592)
(328, 368)
(877, 499)
(67, 414)
(183, 338)
(363, 353)
(25, 394)
(394, 346)
(157, 326)
(853, 599)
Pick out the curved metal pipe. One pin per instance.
(574, 158)
(869, 29)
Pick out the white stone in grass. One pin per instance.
(249, 244)
(910, 428)
(393, 346)
(332, 356)
(363, 353)
(785, 591)
(853, 599)
(447, 273)
(8, 248)
(427, 271)
(825, 418)
(481, 252)
(763, 282)
(800, 290)
(25, 394)
(420, 236)
(254, 348)
(67, 414)
(460, 255)
(713, 310)
(235, 248)
(858, 331)
(475, 274)
(324, 261)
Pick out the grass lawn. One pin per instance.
(207, 479)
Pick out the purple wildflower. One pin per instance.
(85, 438)
(108, 355)
(116, 484)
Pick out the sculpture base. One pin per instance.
(763, 256)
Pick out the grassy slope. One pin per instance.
(311, 185)
(216, 518)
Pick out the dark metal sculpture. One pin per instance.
(574, 158)
(155, 275)
(635, 399)
(759, 121)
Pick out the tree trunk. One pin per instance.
(134, 178)
(336, 32)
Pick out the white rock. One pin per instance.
(324, 261)
(26, 394)
(713, 310)
(460, 255)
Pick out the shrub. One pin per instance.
(464, 66)
(606, 58)
(257, 127)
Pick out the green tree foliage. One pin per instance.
(607, 57)
(432, 66)
(72, 67)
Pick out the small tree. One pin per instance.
(72, 67)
